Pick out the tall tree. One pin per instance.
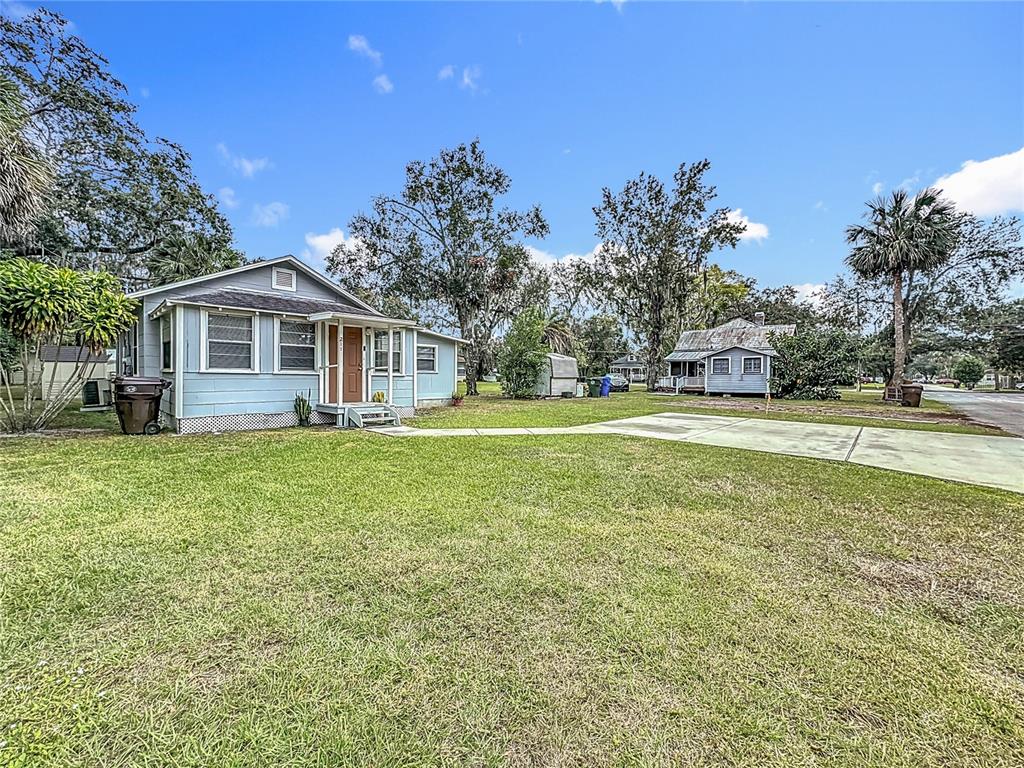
(654, 241)
(904, 235)
(444, 243)
(24, 172)
(188, 255)
(117, 194)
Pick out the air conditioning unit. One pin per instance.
(96, 395)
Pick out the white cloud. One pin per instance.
(361, 46)
(567, 151)
(227, 196)
(144, 92)
(810, 293)
(470, 78)
(910, 182)
(877, 187)
(617, 4)
(246, 166)
(987, 187)
(447, 72)
(383, 84)
(269, 215)
(754, 231)
(547, 259)
(319, 247)
(820, 206)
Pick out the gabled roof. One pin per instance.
(229, 298)
(291, 261)
(705, 355)
(627, 361)
(735, 333)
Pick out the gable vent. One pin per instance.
(284, 279)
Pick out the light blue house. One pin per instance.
(238, 346)
(732, 359)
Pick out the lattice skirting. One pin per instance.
(243, 421)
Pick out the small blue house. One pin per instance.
(732, 359)
(238, 345)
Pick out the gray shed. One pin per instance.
(558, 375)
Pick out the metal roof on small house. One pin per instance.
(693, 345)
(266, 302)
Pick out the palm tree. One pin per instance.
(24, 173)
(904, 234)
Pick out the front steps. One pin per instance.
(362, 415)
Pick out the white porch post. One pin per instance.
(415, 373)
(391, 366)
(706, 367)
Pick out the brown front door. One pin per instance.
(352, 366)
(331, 395)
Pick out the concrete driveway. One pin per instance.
(1001, 409)
(997, 462)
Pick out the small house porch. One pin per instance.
(684, 376)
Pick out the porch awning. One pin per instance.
(370, 321)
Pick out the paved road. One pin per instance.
(979, 459)
(1003, 409)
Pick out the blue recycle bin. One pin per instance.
(606, 385)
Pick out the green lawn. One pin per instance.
(490, 409)
(335, 598)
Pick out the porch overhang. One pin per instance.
(368, 321)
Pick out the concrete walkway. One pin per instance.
(997, 462)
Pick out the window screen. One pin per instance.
(720, 365)
(229, 342)
(380, 351)
(752, 365)
(165, 343)
(426, 359)
(297, 346)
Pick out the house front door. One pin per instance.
(352, 366)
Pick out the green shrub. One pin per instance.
(811, 364)
(521, 357)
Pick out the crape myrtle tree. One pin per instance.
(115, 194)
(654, 242)
(446, 246)
(41, 304)
(813, 363)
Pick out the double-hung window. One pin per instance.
(296, 346)
(230, 342)
(380, 351)
(426, 358)
(752, 365)
(721, 366)
(166, 346)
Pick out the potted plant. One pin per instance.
(302, 407)
(457, 398)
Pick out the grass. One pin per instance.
(334, 598)
(490, 409)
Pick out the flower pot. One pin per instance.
(457, 403)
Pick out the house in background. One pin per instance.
(238, 345)
(733, 359)
(629, 367)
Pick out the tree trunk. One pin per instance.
(899, 328)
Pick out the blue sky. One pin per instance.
(297, 114)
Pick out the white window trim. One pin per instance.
(277, 347)
(170, 324)
(728, 369)
(416, 360)
(374, 370)
(204, 346)
(273, 279)
(743, 368)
